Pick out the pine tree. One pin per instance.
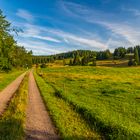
(136, 56)
(84, 61)
(76, 60)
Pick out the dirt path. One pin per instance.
(8, 93)
(38, 123)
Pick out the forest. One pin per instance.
(84, 57)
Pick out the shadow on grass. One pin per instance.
(11, 129)
(41, 135)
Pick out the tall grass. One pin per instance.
(13, 120)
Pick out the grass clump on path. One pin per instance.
(12, 122)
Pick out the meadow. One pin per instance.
(107, 99)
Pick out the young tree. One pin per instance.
(70, 63)
(64, 62)
(130, 62)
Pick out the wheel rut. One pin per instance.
(38, 123)
(7, 93)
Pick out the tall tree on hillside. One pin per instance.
(136, 56)
(76, 60)
(84, 61)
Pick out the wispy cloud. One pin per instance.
(35, 32)
(26, 15)
(128, 33)
(135, 12)
(121, 33)
(73, 39)
(68, 38)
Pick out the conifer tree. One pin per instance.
(76, 60)
(136, 56)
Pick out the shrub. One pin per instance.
(130, 62)
(43, 65)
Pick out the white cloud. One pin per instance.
(38, 47)
(24, 14)
(35, 32)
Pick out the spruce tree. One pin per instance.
(136, 56)
(76, 60)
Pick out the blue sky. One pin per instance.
(55, 26)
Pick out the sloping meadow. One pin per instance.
(107, 98)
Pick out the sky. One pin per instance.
(55, 26)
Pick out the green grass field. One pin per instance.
(107, 99)
(7, 78)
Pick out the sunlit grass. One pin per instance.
(108, 98)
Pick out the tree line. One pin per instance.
(86, 57)
(11, 54)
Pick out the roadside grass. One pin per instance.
(108, 98)
(7, 78)
(12, 122)
(70, 124)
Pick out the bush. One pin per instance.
(130, 62)
(43, 65)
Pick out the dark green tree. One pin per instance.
(136, 56)
(76, 60)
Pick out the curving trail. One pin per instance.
(7, 94)
(38, 122)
